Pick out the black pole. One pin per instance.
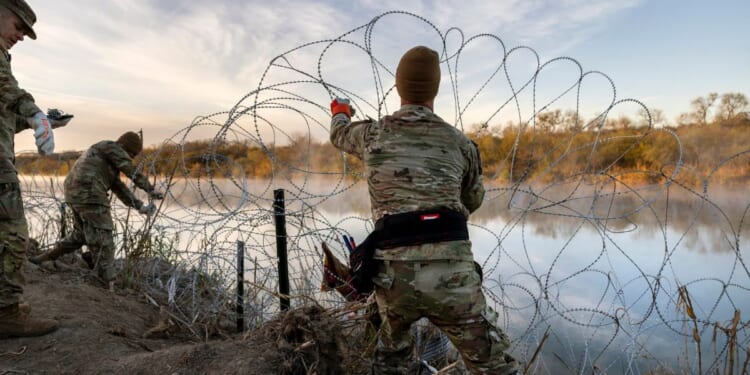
(280, 219)
(63, 222)
(240, 286)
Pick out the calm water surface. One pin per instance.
(598, 270)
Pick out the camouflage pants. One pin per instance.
(14, 234)
(449, 294)
(92, 226)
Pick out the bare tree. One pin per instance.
(480, 128)
(652, 116)
(702, 106)
(572, 120)
(731, 104)
(685, 119)
(549, 120)
(622, 122)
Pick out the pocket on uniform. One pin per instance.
(98, 217)
(462, 275)
(11, 204)
(14, 246)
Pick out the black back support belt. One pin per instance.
(406, 229)
(420, 227)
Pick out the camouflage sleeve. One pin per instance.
(349, 136)
(125, 195)
(12, 97)
(22, 124)
(122, 161)
(472, 187)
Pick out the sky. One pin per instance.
(157, 65)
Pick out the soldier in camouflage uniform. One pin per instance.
(18, 112)
(415, 162)
(87, 186)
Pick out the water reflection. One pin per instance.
(603, 269)
(709, 221)
(599, 270)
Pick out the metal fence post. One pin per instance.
(63, 222)
(281, 247)
(240, 286)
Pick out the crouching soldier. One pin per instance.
(424, 179)
(93, 175)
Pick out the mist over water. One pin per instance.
(602, 270)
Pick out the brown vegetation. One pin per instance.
(558, 146)
(632, 154)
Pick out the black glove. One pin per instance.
(58, 118)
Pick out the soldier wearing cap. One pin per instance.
(87, 186)
(425, 178)
(18, 112)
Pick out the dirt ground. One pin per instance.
(122, 332)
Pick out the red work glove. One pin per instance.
(341, 105)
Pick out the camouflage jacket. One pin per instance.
(413, 161)
(15, 106)
(98, 170)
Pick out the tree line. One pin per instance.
(709, 141)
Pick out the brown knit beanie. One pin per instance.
(131, 142)
(418, 75)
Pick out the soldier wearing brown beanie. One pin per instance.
(424, 179)
(87, 186)
(132, 143)
(418, 76)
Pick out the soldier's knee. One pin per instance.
(100, 241)
(499, 341)
(498, 360)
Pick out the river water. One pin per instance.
(607, 275)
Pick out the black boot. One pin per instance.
(89, 259)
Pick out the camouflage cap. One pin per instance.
(131, 142)
(24, 12)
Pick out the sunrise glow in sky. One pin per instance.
(157, 64)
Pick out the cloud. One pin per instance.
(160, 63)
